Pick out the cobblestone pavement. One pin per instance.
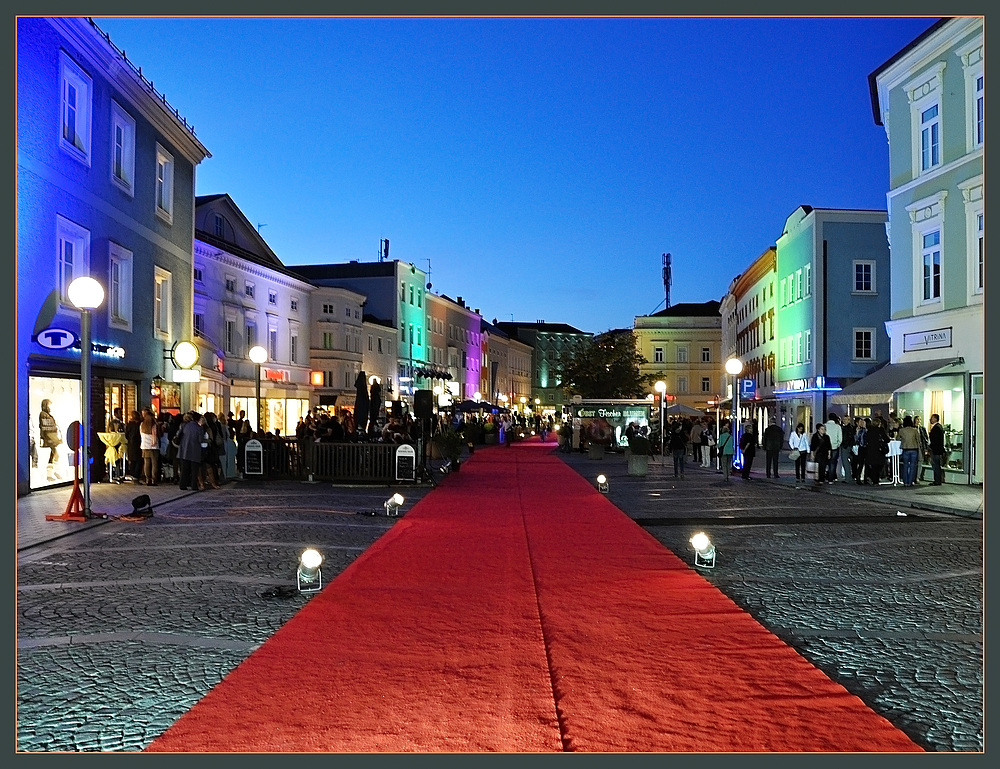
(123, 626)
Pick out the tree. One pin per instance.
(606, 367)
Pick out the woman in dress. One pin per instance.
(149, 445)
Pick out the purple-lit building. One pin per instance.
(105, 188)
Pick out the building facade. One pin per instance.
(930, 98)
(105, 188)
(682, 346)
(455, 339)
(831, 301)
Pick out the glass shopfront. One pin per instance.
(943, 395)
(50, 465)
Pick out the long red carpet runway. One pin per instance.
(515, 609)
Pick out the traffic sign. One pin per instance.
(748, 388)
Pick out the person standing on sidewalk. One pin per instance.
(678, 448)
(189, 436)
(149, 444)
(847, 448)
(133, 444)
(820, 448)
(858, 450)
(876, 448)
(696, 430)
(909, 442)
(836, 436)
(925, 446)
(774, 440)
(727, 447)
(748, 444)
(799, 442)
(936, 436)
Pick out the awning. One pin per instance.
(879, 387)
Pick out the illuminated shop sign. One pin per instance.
(54, 338)
(619, 412)
(810, 385)
(276, 375)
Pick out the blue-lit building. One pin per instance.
(105, 188)
(831, 302)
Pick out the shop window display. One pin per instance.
(51, 461)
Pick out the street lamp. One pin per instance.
(258, 355)
(86, 294)
(661, 388)
(734, 366)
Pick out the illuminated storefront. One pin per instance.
(63, 396)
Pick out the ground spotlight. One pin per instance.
(704, 550)
(602, 483)
(392, 504)
(309, 577)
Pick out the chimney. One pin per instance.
(461, 302)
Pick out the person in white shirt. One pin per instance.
(799, 441)
(836, 435)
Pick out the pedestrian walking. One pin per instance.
(820, 448)
(774, 441)
(836, 435)
(708, 448)
(678, 448)
(748, 445)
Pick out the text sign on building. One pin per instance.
(927, 340)
(406, 463)
(253, 458)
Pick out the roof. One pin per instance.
(873, 77)
(689, 310)
(345, 270)
(512, 327)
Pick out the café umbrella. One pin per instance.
(361, 401)
(374, 406)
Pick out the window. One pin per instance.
(272, 344)
(419, 298)
(706, 384)
(930, 138)
(978, 283)
(164, 184)
(798, 348)
(74, 133)
(380, 345)
(272, 298)
(293, 347)
(706, 354)
(327, 340)
(122, 148)
(294, 305)
(682, 384)
(219, 226)
(251, 336)
(657, 355)
(73, 258)
(161, 302)
(402, 291)
(328, 309)
(120, 287)
(347, 311)
(199, 324)
(809, 279)
(864, 277)
(199, 275)
(978, 111)
(931, 256)
(230, 341)
(248, 290)
(682, 355)
(230, 285)
(864, 344)
(781, 293)
(798, 285)
(809, 345)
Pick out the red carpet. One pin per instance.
(515, 609)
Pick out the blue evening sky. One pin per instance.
(539, 167)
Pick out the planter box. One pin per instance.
(638, 464)
(596, 451)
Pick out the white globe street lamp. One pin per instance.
(258, 355)
(86, 294)
(661, 388)
(734, 367)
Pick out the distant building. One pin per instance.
(105, 188)
(548, 342)
(748, 333)
(682, 345)
(243, 297)
(930, 97)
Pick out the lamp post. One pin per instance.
(86, 294)
(734, 366)
(661, 388)
(258, 355)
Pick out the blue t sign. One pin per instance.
(56, 338)
(748, 388)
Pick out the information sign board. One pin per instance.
(406, 463)
(253, 458)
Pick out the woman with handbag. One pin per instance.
(799, 443)
(821, 450)
(727, 447)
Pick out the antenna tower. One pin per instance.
(666, 277)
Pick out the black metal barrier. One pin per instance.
(288, 459)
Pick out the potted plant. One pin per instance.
(449, 445)
(490, 432)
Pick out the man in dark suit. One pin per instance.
(774, 439)
(936, 436)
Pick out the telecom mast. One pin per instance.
(666, 277)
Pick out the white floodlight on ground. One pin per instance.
(704, 550)
(602, 483)
(309, 576)
(393, 503)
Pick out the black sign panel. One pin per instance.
(253, 458)
(406, 463)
